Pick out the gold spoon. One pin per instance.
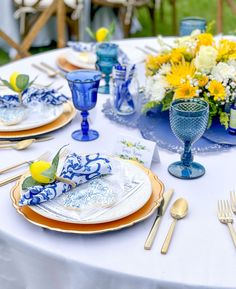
(21, 145)
(178, 211)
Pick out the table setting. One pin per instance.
(73, 203)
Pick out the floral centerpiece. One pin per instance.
(195, 66)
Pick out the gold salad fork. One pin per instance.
(225, 216)
(233, 201)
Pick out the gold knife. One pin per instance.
(160, 212)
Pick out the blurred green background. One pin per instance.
(202, 8)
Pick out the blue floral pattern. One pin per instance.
(79, 169)
(32, 94)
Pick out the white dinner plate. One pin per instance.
(84, 59)
(136, 191)
(24, 118)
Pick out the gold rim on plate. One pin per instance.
(67, 115)
(146, 211)
(65, 65)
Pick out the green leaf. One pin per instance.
(31, 82)
(90, 33)
(112, 28)
(210, 26)
(29, 182)
(149, 105)
(51, 172)
(166, 102)
(7, 84)
(22, 81)
(224, 119)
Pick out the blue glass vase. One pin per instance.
(107, 57)
(189, 24)
(188, 121)
(84, 88)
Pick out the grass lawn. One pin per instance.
(202, 8)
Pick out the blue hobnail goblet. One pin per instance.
(84, 88)
(107, 57)
(188, 121)
(189, 24)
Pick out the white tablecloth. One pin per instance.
(201, 254)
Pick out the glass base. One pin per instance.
(104, 89)
(194, 171)
(78, 135)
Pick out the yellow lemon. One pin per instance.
(13, 81)
(101, 34)
(37, 168)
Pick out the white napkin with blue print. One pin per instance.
(78, 169)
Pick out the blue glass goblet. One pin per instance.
(189, 24)
(107, 57)
(84, 87)
(188, 121)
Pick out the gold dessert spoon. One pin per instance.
(178, 211)
(21, 145)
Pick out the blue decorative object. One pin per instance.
(84, 87)
(189, 24)
(31, 95)
(125, 89)
(107, 57)
(79, 169)
(188, 121)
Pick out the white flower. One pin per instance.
(165, 69)
(156, 88)
(223, 72)
(206, 58)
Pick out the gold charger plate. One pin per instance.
(68, 114)
(147, 210)
(65, 65)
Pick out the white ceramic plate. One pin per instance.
(29, 117)
(137, 191)
(84, 59)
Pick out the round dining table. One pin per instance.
(201, 254)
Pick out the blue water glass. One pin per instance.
(107, 57)
(189, 24)
(188, 121)
(84, 88)
(125, 89)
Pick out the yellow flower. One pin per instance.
(226, 50)
(36, 170)
(185, 90)
(180, 73)
(101, 34)
(217, 90)
(202, 80)
(205, 39)
(153, 63)
(12, 81)
(177, 54)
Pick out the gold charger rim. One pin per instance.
(67, 115)
(145, 212)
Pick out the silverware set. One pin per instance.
(225, 211)
(147, 49)
(48, 70)
(45, 156)
(22, 144)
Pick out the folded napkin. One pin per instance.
(79, 169)
(32, 94)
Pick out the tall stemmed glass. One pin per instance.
(84, 87)
(188, 120)
(107, 57)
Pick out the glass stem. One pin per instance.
(84, 123)
(187, 156)
(107, 80)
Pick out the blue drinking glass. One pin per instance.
(188, 121)
(107, 57)
(189, 24)
(84, 88)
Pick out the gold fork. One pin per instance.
(233, 201)
(225, 216)
(18, 176)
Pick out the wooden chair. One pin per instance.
(125, 10)
(56, 7)
(232, 6)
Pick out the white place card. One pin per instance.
(138, 149)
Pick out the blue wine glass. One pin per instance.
(188, 121)
(107, 57)
(189, 24)
(84, 88)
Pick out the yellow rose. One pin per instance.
(206, 58)
(101, 34)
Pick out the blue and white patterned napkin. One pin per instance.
(79, 169)
(32, 94)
